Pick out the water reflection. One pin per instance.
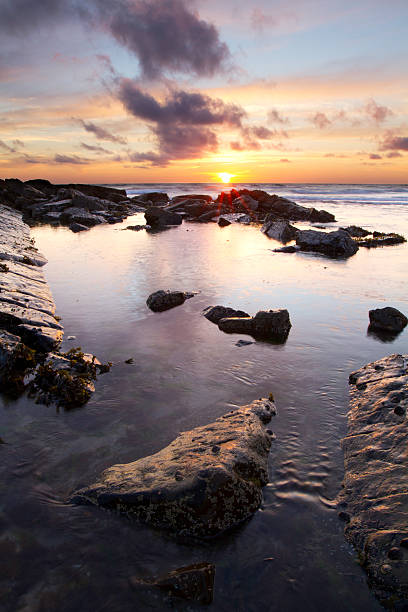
(186, 373)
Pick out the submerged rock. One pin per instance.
(216, 313)
(333, 244)
(387, 319)
(267, 324)
(375, 493)
(164, 300)
(207, 480)
(287, 249)
(192, 583)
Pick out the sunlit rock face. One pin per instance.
(374, 500)
(207, 480)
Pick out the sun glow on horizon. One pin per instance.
(225, 177)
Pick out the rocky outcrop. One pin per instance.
(387, 319)
(279, 230)
(228, 218)
(164, 300)
(42, 202)
(216, 313)
(266, 324)
(333, 244)
(356, 231)
(379, 239)
(374, 501)
(206, 481)
(30, 333)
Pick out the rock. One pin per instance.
(188, 489)
(223, 222)
(15, 359)
(192, 583)
(243, 343)
(136, 228)
(375, 487)
(287, 249)
(216, 313)
(40, 338)
(333, 244)
(244, 203)
(80, 200)
(269, 324)
(78, 227)
(380, 239)
(279, 230)
(355, 231)
(157, 216)
(387, 319)
(234, 218)
(211, 214)
(164, 300)
(191, 196)
(80, 216)
(155, 197)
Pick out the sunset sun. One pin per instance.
(225, 177)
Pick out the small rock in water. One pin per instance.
(216, 313)
(192, 583)
(164, 300)
(387, 319)
(71, 337)
(129, 361)
(243, 343)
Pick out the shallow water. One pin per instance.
(292, 554)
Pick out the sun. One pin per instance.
(225, 177)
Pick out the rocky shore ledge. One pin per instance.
(374, 500)
(30, 333)
(206, 481)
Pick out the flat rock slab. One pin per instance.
(375, 495)
(207, 480)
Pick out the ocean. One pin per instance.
(292, 554)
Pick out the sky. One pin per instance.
(145, 91)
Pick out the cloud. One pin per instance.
(393, 154)
(184, 123)
(95, 148)
(393, 142)
(274, 116)
(165, 35)
(6, 147)
(70, 159)
(101, 133)
(183, 106)
(321, 120)
(376, 112)
(375, 156)
(285, 160)
(260, 20)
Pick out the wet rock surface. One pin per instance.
(266, 324)
(216, 313)
(30, 333)
(387, 319)
(164, 300)
(206, 481)
(333, 244)
(374, 500)
(279, 230)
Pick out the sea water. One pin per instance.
(292, 554)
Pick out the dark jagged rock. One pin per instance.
(78, 227)
(279, 230)
(15, 360)
(355, 231)
(191, 196)
(375, 487)
(164, 300)
(156, 216)
(216, 313)
(380, 239)
(189, 489)
(223, 222)
(234, 218)
(387, 319)
(154, 196)
(266, 324)
(287, 249)
(192, 583)
(333, 244)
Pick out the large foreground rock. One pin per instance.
(387, 319)
(279, 230)
(375, 495)
(207, 480)
(156, 216)
(266, 324)
(333, 244)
